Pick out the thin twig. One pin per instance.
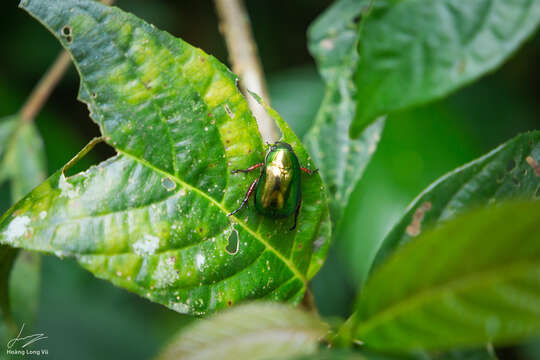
(41, 92)
(235, 27)
(43, 89)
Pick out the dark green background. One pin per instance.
(86, 318)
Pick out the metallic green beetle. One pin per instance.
(278, 191)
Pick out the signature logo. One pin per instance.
(25, 340)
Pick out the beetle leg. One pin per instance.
(256, 166)
(246, 198)
(296, 213)
(308, 171)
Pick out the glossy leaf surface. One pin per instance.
(341, 160)
(153, 219)
(479, 282)
(250, 332)
(449, 44)
(509, 171)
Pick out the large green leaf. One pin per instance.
(414, 51)
(342, 160)
(22, 163)
(249, 332)
(153, 219)
(511, 170)
(473, 280)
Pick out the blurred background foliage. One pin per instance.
(91, 319)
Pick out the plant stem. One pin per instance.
(43, 89)
(308, 302)
(235, 27)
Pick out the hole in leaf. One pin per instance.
(69, 39)
(98, 154)
(233, 242)
(66, 30)
(168, 184)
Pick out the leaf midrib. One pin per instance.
(481, 278)
(189, 187)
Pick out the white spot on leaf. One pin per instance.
(199, 260)
(179, 307)
(146, 246)
(17, 228)
(165, 273)
(43, 215)
(327, 44)
(67, 189)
